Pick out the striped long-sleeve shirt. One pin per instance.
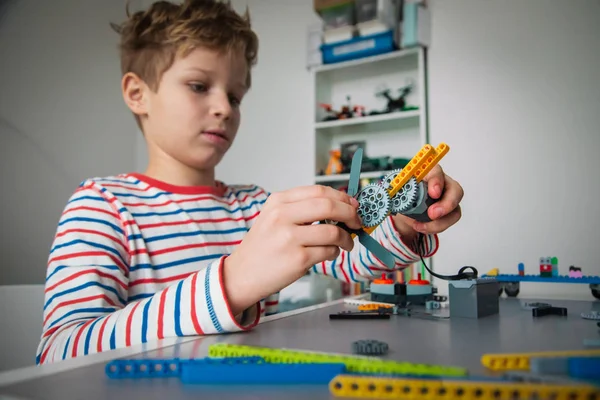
(135, 259)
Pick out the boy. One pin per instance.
(170, 252)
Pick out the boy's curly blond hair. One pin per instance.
(151, 39)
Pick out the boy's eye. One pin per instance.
(197, 87)
(234, 101)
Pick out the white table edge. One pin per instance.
(36, 371)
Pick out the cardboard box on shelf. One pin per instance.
(320, 5)
(336, 14)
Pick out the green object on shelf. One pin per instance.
(399, 163)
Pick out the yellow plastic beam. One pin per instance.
(520, 361)
(371, 387)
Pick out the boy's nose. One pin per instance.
(221, 107)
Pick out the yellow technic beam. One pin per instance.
(371, 387)
(520, 361)
(419, 167)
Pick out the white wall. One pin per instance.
(62, 119)
(515, 92)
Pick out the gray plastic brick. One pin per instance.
(473, 298)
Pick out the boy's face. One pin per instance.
(193, 117)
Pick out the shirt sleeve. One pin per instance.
(86, 307)
(270, 305)
(362, 265)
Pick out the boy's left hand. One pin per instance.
(444, 213)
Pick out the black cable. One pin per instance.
(419, 246)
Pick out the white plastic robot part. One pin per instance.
(359, 302)
(595, 315)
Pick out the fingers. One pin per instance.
(310, 192)
(435, 182)
(450, 200)
(319, 209)
(324, 235)
(439, 225)
(316, 255)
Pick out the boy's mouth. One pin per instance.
(216, 132)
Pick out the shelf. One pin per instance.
(368, 119)
(367, 60)
(345, 177)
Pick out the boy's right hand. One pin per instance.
(283, 244)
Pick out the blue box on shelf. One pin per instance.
(358, 47)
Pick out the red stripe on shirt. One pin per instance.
(85, 272)
(77, 301)
(195, 321)
(101, 335)
(194, 199)
(91, 232)
(87, 208)
(128, 329)
(79, 333)
(193, 246)
(159, 280)
(161, 314)
(198, 221)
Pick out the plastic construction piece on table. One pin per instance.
(591, 342)
(354, 363)
(527, 305)
(374, 307)
(530, 377)
(351, 386)
(166, 368)
(520, 361)
(269, 374)
(543, 311)
(595, 315)
(554, 279)
(358, 316)
(370, 347)
(584, 368)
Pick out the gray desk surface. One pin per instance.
(459, 342)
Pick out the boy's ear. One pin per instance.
(135, 93)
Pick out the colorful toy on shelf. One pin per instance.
(510, 284)
(400, 192)
(548, 266)
(335, 163)
(347, 111)
(575, 272)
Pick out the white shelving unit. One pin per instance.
(397, 135)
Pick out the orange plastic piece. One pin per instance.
(368, 307)
(335, 163)
(384, 280)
